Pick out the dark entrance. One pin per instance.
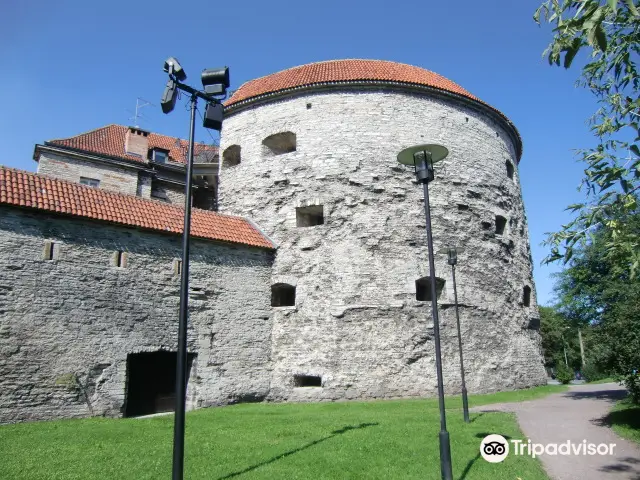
(151, 382)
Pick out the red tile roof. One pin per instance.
(342, 71)
(30, 190)
(354, 70)
(110, 141)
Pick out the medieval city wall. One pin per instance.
(68, 324)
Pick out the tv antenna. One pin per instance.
(140, 104)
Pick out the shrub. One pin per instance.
(592, 373)
(563, 374)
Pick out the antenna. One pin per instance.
(140, 104)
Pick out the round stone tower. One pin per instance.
(309, 155)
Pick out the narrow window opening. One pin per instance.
(49, 248)
(462, 207)
(501, 222)
(308, 106)
(280, 143)
(90, 182)
(509, 169)
(120, 259)
(307, 381)
(231, 156)
(526, 296)
(283, 295)
(310, 216)
(423, 288)
(177, 267)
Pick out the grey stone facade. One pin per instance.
(356, 322)
(68, 324)
(70, 167)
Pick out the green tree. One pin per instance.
(558, 336)
(596, 295)
(608, 31)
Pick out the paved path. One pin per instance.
(576, 415)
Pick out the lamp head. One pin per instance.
(422, 158)
(215, 80)
(172, 67)
(452, 254)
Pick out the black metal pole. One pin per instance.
(465, 401)
(181, 366)
(445, 445)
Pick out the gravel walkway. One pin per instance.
(576, 415)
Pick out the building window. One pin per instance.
(231, 156)
(423, 288)
(310, 216)
(501, 222)
(177, 267)
(90, 182)
(509, 169)
(159, 156)
(526, 296)
(48, 253)
(157, 192)
(119, 259)
(283, 295)
(307, 381)
(280, 143)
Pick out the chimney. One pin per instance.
(136, 142)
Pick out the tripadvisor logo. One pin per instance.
(495, 448)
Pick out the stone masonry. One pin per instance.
(68, 324)
(356, 322)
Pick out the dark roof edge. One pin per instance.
(501, 118)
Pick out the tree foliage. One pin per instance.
(608, 31)
(594, 294)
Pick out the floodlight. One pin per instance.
(172, 67)
(213, 115)
(169, 97)
(215, 80)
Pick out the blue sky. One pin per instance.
(78, 65)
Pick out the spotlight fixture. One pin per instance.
(172, 67)
(169, 97)
(213, 115)
(215, 80)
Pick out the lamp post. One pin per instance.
(422, 158)
(452, 254)
(215, 82)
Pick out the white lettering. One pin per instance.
(551, 449)
(537, 449)
(592, 449)
(611, 446)
(565, 448)
(603, 449)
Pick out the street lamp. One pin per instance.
(452, 254)
(215, 81)
(422, 158)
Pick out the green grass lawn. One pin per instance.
(393, 439)
(624, 418)
(604, 380)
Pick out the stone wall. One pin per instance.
(356, 321)
(71, 168)
(79, 316)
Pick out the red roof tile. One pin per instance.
(26, 189)
(110, 141)
(342, 71)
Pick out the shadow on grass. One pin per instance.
(466, 470)
(335, 433)
(628, 418)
